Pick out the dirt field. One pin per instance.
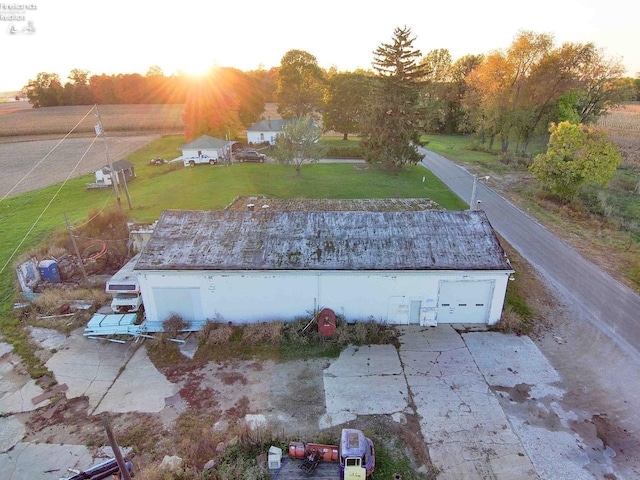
(20, 122)
(31, 165)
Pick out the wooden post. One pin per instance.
(116, 450)
(75, 246)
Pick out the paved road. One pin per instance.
(607, 303)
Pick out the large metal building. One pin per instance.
(399, 267)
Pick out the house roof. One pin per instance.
(204, 142)
(323, 240)
(118, 166)
(269, 125)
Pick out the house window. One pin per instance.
(262, 137)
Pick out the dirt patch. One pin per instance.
(29, 166)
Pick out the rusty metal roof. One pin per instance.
(323, 240)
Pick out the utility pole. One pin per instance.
(472, 203)
(75, 246)
(116, 450)
(114, 175)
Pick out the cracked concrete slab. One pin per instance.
(468, 434)
(88, 367)
(528, 389)
(364, 381)
(47, 338)
(17, 389)
(43, 461)
(508, 360)
(11, 432)
(139, 388)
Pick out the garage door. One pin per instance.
(184, 302)
(464, 302)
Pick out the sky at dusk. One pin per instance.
(117, 36)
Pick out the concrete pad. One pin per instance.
(47, 338)
(88, 367)
(556, 454)
(45, 461)
(367, 395)
(468, 434)
(526, 385)
(139, 388)
(366, 360)
(11, 432)
(364, 381)
(16, 397)
(430, 339)
(508, 360)
(5, 348)
(17, 389)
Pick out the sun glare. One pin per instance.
(196, 66)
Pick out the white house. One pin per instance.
(104, 177)
(420, 267)
(266, 131)
(205, 146)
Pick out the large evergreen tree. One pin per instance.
(395, 117)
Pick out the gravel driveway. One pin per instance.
(28, 166)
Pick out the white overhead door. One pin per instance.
(464, 301)
(184, 302)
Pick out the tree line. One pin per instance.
(81, 88)
(505, 97)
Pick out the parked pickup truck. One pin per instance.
(193, 161)
(249, 155)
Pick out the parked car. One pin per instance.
(250, 155)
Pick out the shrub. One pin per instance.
(215, 332)
(264, 332)
(173, 325)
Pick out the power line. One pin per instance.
(15, 251)
(46, 156)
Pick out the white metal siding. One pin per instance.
(464, 301)
(184, 302)
(391, 297)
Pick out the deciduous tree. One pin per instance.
(499, 84)
(576, 155)
(76, 90)
(298, 143)
(210, 109)
(345, 102)
(300, 85)
(45, 91)
(220, 103)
